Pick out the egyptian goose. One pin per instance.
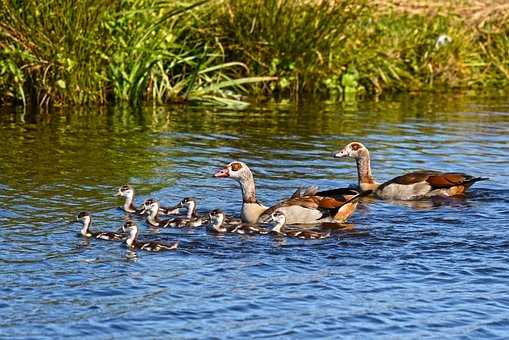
(280, 221)
(219, 224)
(306, 206)
(411, 186)
(86, 218)
(131, 229)
(251, 208)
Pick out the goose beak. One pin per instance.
(339, 154)
(222, 173)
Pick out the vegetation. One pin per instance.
(60, 52)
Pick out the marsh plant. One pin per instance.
(60, 51)
(227, 52)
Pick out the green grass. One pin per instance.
(227, 52)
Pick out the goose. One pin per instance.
(251, 208)
(190, 220)
(131, 229)
(411, 186)
(86, 218)
(306, 206)
(127, 191)
(219, 224)
(280, 221)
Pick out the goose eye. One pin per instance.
(236, 166)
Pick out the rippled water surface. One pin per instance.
(436, 268)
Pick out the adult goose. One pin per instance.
(411, 186)
(306, 206)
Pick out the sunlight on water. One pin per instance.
(408, 270)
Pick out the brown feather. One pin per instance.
(448, 180)
(413, 177)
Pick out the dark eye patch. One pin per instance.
(356, 146)
(236, 166)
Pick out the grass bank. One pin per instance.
(58, 52)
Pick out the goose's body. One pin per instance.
(306, 206)
(319, 207)
(102, 235)
(279, 218)
(220, 224)
(132, 240)
(190, 220)
(411, 186)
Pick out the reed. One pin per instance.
(227, 52)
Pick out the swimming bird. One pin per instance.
(410, 186)
(190, 220)
(131, 229)
(127, 191)
(219, 224)
(280, 221)
(86, 218)
(306, 206)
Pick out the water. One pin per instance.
(410, 271)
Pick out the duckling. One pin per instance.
(103, 235)
(127, 191)
(162, 210)
(131, 229)
(218, 224)
(280, 220)
(190, 220)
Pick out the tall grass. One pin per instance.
(68, 51)
(58, 52)
(293, 40)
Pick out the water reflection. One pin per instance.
(413, 268)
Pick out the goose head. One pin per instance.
(151, 206)
(147, 203)
(353, 150)
(279, 219)
(236, 170)
(125, 191)
(278, 216)
(216, 217)
(85, 217)
(131, 229)
(188, 203)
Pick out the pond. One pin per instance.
(395, 270)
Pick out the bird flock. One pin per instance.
(291, 217)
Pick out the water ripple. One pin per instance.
(411, 270)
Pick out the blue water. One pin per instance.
(433, 269)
